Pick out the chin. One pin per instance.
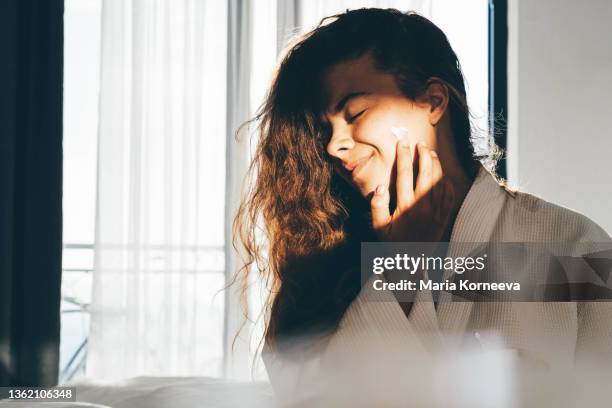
(367, 184)
(367, 189)
(367, 192)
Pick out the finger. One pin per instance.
(405, 178)
(380, 208)
(424, 180)
(437, 182)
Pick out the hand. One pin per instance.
(422, 212)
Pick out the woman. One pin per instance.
(366, 136)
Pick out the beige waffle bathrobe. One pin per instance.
(550, 334)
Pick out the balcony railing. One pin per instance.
(77, 278)
(76, 297)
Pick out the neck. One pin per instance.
(461, 183)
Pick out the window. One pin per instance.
(82, 78)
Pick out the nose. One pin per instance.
(340, 143)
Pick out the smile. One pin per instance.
(355, 167)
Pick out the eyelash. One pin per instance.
(355, 117)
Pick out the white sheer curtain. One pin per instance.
(159, 248)
(177, 78)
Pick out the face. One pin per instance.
(362, 107)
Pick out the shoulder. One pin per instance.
(538, 219)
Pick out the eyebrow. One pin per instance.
(342, 102)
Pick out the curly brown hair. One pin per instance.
(312, 221)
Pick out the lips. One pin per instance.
(355, 167)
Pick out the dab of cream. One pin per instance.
(399, 132)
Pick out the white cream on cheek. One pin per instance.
(399, 132)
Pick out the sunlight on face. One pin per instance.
(362, 106)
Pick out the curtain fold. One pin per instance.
(236, 337)
(31, 45)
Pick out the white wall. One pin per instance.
(560, 103)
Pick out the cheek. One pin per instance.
(381, 167)
(377, 135)
(374, 130)
(388, 156)
(418, 129)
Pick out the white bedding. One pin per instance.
(164, 392)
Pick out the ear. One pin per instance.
(436, 96)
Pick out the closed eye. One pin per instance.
(353, 118)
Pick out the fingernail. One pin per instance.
(380, 189)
